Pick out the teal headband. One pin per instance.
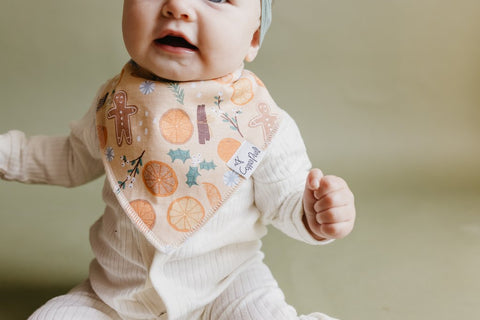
(266, 18)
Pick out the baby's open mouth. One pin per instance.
(177, 42)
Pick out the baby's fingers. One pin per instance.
(338, 198)
(336, 215)
(313, 179)
(330, 184)
(336, 230)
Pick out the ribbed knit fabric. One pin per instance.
(217, 274)
(80, 303)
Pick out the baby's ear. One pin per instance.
(254, 47)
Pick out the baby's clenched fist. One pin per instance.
(329, 206)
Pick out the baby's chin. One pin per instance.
(187, 74)
(190, 76)
(157, 74)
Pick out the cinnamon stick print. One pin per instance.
(203, 129)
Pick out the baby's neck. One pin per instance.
(144, 73)
(139, 71)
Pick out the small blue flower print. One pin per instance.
(109, 154)
(147, 87)
(231, 179)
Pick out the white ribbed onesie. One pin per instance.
(217, 274)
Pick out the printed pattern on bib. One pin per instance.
(166, 146)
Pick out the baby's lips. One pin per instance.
(175, 39)
(176, 42)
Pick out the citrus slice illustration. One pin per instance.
(213, 195)
(145, 212)
(242, 91)
(227, 148)
(185, 213)
(176, 126)
(225, 79)
(102, 136)
(159, 178)
(258, 80)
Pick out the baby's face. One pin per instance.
(183, 40)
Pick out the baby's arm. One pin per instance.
(279, 182)
(286, 191)
(329, 206)
(67, 161)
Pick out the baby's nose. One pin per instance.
(178, 9)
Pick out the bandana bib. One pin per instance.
(175, 152)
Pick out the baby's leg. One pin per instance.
(255, 295)
(79, 304)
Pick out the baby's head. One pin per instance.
(183, 40)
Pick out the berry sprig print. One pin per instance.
(232, 120)
(132, 173)
(179, 94)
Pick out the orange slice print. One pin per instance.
(242, 92)
(145, 212)
(227, 148)
(159, 178)
(225, 79)
(259, 82)
(102, 136)
(185, 213)
(213, 195)
(176, 126)
(257, 79)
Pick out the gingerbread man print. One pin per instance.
(265, 119)
(121, 113)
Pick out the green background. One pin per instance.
(386, 94)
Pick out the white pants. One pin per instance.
(80, 303)
(254, 295)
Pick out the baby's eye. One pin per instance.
(218, 1)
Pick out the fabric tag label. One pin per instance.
(246, 159)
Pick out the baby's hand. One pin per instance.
(329, 206)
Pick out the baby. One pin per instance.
(198, 161)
